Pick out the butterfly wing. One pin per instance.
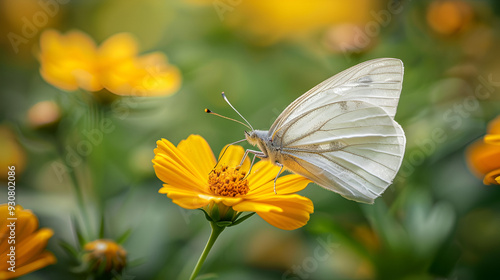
(377, 81)
(342, 135)
(350, 147)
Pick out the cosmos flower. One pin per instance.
(73, 61)
(106, 255)
(483, 156)
(192, 182)
(30, 242)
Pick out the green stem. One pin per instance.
(216, 231)
(76, 186)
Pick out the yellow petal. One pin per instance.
(191, 200)
(493, 139)
(232, 157)
(256, 206)
(169, 150)
(171, 172)
(147, 75)
(69, 61)
(228, 201)
(26, 224)
(42, 260)
(33, 245)
(295, 214)
(200, 153)
(187, 200)
(492, 178)
(284, 185)
(116, 49)
(262, 173)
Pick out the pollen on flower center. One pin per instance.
(227, 181)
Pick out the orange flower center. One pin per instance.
(227, 181)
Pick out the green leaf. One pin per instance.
(124, 236)
(136, 262)
(223, 223)
(237, 222)
(81, 239)
(206, 215)
(215, 214)
(101, 227)
(72, 251)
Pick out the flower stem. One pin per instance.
(216, 231)
(78, 190)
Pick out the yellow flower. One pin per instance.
(106, 254)
(74, 61)
(30, 243)
(271, 20)
(483, 157)
(191, 182)
(11, 153)
(493, 136)
(449, 17)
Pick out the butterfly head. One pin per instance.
(255, 137)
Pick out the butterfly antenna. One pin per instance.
(224, 152)
(225, 98)
(208, 111)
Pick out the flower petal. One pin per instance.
(190, 200)
(232, 157)
(492, 178)
(200, 153)
(284, 185)
(185, 199)
(262, 173)
(282, 211)
(296, 211)
(172, 172)
(256, 206)
(116, 49)
(69, 61)
(171, 164)
(493, 139)
(33, 245)
(483, 158)
(42, 260)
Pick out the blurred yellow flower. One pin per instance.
(105, 254)
(493, 136)
(483, 156)
(74, 61)
(30, 243)
(11, 152)
(449, 17)
(272, 20)
(191, 182)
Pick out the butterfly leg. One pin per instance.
(277, 175)
(256, 153)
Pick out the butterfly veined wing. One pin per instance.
(377, 81)
(353, 148)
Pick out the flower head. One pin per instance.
(268, 21)
(30, 243)
(106, 255)
(192, 182)
(483, 156)
(73, 61)
(12, 153)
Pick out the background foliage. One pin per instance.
(436, 221)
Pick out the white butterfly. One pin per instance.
(341, 134)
